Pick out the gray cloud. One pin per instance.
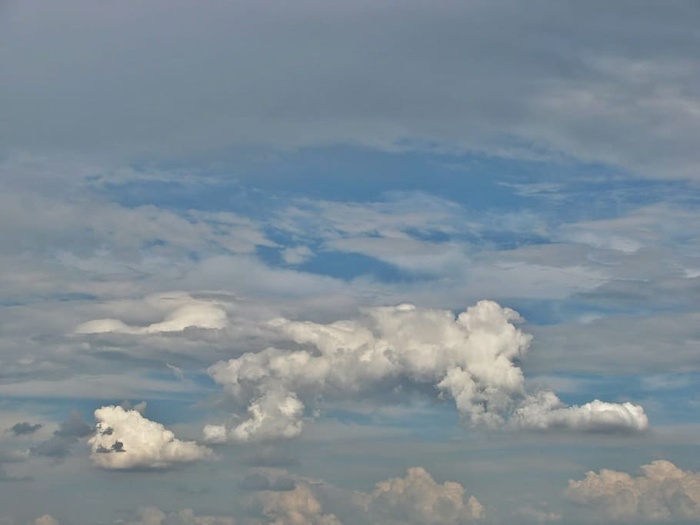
(59, 445)
(268, 479)
(25, 429)
(599, 82)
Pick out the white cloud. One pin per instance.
(185, 312)
(662, 493)
(546, 411)
(418, 499)
(214, 434)
(124, 439)
(299, 506)
(472, 359)
(276, 414)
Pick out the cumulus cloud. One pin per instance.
(299, 506)
(418, 499)
(184, 312)
(472, 358)
(663, 492)
(125, 439)
(546, 411)
(415, 499)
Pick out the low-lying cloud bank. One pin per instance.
(125, 439)
(662, 493)
(472, 358)
(155, 516)
(418, 498)
(415, 499)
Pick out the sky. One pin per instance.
(349, 262)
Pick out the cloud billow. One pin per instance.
(471, 358)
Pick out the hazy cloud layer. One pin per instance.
(155, 516)
(663, 492)
(46, 519)
(125, 439)
(617, 88)
(472, 358)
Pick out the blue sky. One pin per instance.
(367, 263)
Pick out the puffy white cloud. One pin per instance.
(662, 493)
(418, 499)
(183, 312)
(214, 434)
(471, 358)
(275, 414)
(295, 507)
(155, 516)
(545, 410)
(125, 439)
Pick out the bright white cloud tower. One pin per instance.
(471, 358)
